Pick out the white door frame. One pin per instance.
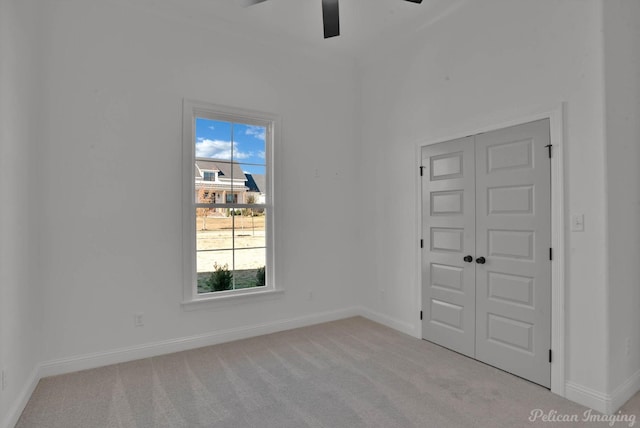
(556, 128)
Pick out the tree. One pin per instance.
(221, 279)
(203, 212)
(261, 277)
(251, 199)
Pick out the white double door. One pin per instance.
(486, 269)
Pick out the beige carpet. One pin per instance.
(349, 373)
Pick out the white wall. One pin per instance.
(622, 80)
(20, 301)
(116, 74)
(485, 64)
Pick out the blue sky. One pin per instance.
(222, 140)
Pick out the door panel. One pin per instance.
(447, 203)
(509, 155)
(510, 332)
(449, 277)
(511, 244)
(510, 200)
(448, 239)
(513, 287)
(448, 198)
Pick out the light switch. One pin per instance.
(577, 223)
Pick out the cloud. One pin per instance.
(258, 132)
(219, 149)
(212, 128)
(261, 154)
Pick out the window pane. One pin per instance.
(249, 230)
(248, 150)
(214, 270)
(255, 184)
(213, 139)
(218, 178)
(235, 181)
(249, 142)
(249, 268)
(246, 229)
(214, 229)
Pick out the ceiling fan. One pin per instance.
(330, 15)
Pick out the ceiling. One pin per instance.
(298, 23)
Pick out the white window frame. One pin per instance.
(192, 109)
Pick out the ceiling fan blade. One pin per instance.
(247, 3)
(415, 1)
(330, 18)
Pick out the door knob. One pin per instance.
(468, 259)
(480, 260)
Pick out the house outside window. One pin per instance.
(228, 233)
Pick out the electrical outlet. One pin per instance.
(4, 379)
(138, 319)
(310, 295)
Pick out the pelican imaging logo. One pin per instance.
(539, 415)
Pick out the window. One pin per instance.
(227, 231)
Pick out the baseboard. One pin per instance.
(100, 359)
(625, 391)
(390, 322)
(588, 397)
(10, 420)
(602, 402)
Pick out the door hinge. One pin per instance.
(421, 169)
(550, 253)
(420, 315)
(549, 355)
(422, 243)
(549, 147)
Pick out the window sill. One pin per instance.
(208, 302)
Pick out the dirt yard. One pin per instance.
(215, 245)
(217, 221)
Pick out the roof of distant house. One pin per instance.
(256, 183)
(225, 168)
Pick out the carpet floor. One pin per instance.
(348, 373)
